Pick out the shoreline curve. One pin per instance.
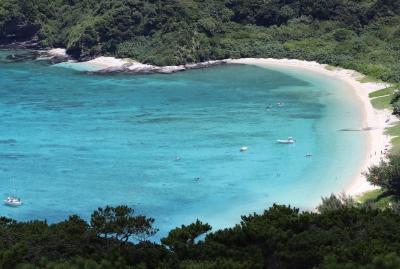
(375, 121)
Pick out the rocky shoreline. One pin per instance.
(105, 65)
(30, 50)
(139, 68)
(112, 65)
(32, 45)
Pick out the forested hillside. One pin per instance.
(357, 34)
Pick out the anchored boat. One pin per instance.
(290, 140)
(13, 201)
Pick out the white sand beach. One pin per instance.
(375, 120)
(112, 64)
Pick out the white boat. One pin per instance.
(290, 140)
(243, 149)
(12, 201)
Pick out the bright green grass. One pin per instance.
(371, 196)
(367, 79)
(382, 102)
(382, 92)
(395, 132)
(381, 99)
(395, 145)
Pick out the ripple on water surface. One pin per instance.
(169, 145)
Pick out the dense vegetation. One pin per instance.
(357, 34)
(281, 237)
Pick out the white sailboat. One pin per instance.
(13, 201)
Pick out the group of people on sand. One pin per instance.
(385, 152)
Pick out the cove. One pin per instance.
(169, 145)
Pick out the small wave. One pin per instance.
(8, 141)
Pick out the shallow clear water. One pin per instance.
(73, 142)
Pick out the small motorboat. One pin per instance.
(308, 155)
(280, 104)
(243, 149)
(290, 140)
(13, 201)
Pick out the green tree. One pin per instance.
(387, 176)
(335, 202)
(180, 240)
(121, 224)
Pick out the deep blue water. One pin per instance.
(72, 141)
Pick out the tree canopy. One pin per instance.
(357, 34)
(281, 237)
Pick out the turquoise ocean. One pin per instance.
(169, 145)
